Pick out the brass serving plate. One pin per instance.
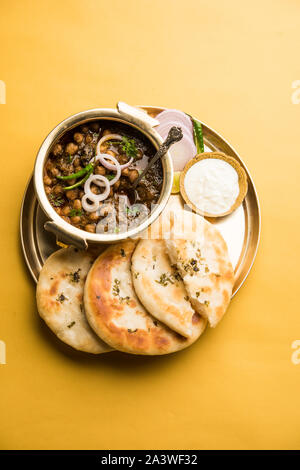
(241, 229)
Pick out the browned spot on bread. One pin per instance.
(196, 318)
(161, 341)
(226, 297)
(54, 287)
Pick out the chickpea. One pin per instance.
(125, 172)
(58, 189)
(58, 150)
(75, 219)
(72, 194)
(88, 139)
(81, 193)
(110, 152)
(78, 137)
(47, 180)
(90, 228)
(58, 210)
(103, 147)
(71, 148)
(123, 159)
(95, 126)
(67, 219)
(116, 185)
(66, 210)
(85, 129)
(94, 216)
(106, 132)
(133, 175)
(139, 154)
(76, 162)
(77, 204)
(47, 189)
(94, 190)
(111, 192)
(100, 170)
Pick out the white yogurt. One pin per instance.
(212, 185)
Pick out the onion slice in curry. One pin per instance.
(105, 138)
(102, 157)
(101, 181)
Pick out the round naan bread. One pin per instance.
(160, 288)
(200, 254)
(59, 297)
(115, 313)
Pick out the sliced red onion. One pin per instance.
(185, 149)
(174, 115)
(105, 138)
(182, 152)
(163, 129)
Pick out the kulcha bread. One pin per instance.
(159, 287)
(59, 297)
(200, 254)
(115, 313)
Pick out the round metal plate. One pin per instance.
(241, 229)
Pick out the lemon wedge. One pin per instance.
(175, 186)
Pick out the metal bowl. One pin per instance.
(125, 114)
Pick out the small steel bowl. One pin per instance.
(133, 117)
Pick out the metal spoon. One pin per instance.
(174, 135)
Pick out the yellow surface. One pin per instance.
(231, 64)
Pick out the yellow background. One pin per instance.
(231, 64)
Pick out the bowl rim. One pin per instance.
(73, 121)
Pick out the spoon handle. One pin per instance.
(174, 135)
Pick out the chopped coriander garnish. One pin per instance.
(75, 212)
(116, 288)
(56, 201)
(129, 147)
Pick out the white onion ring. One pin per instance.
(101, 181)
(111, 137)
(105, 138)
(86, 205)
(98, 180)
(116, 167)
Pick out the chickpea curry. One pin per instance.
(89, 173)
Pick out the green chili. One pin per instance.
(198, 136)
(82, 172)
(79, 183)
